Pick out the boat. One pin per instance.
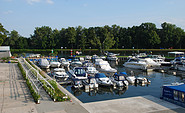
(60, 74)
(112, 57)
(141, 63)
(90, 69)
(159, 59)
(180, 67)
(64, 62)
(78, 72)
(120, 80)
(90, 84)
(174, 93)
(76, 62)
(76, 83)
(103, 80)
(131, 79)
(104, 66)
(54, 63)
(142, 80)
(44, 63)
(178, 60)
(87, 57)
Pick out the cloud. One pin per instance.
(38, 1)
(49, 1)
(33, 1)
(8, 12)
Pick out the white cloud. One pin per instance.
(38, 1)
(49, 1)
(33, 1)
(8, 12)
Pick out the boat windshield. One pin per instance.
(79, 71)
(121, 78)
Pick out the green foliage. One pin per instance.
(143, 36)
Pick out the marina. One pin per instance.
(157, 78)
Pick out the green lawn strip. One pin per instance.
(34, 94)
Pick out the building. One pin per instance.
(5, 51)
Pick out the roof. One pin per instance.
(175, 52)
(4, 48)
(180, 88)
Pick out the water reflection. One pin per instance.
(100, 91)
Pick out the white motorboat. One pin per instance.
(180, 67)
(104, 66)
(76, 62)
(112, 57)
(159, 59)
(178, 60)
(141, 63)
(55, 64)
(88, 57)
(60, 74)
(131, 79)
(142, 80)
(44, 63)
(103, 80)
(64, 62)
(90, 69)
(77, 83)
(120, 80)
(78, 73)
(90, 84)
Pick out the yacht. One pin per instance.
(44, 63)
(60, 74)
(104, 66)
(159, 59)
(103, 80)
(78, 73)
(141, 63)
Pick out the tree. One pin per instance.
(3, 34)
(41, 37)
(70, 35)
(148, 35)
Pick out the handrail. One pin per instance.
(40, 76)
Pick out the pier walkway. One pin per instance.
(15, 98)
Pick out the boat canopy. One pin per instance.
(176, 53)
(180, 88)
(100, 75)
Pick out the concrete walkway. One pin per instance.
(15, 98)
(14, 93)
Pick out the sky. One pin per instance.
(25, 15)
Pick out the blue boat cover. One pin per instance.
(180, 88)
(100, 75)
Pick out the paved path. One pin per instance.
(14, 94)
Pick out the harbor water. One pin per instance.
(107, 93)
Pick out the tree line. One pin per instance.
(144, 36)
